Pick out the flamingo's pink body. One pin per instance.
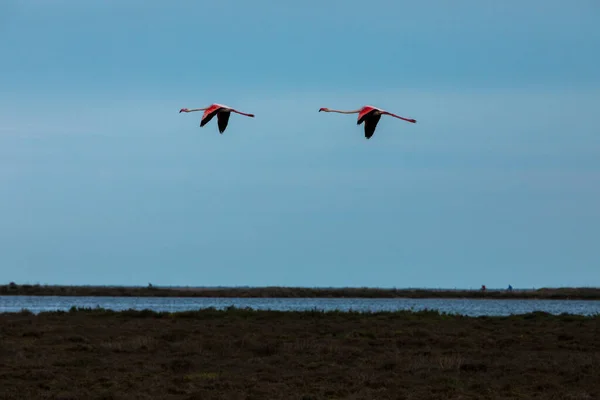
(370, 115)
(221, 111)
(365, 110)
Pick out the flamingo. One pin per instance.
(222, 112)
(370, 116)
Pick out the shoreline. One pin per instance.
(233, 313)
(567, 293)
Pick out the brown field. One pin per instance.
(245, 354)
(584, 293)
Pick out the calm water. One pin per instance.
(472, 307)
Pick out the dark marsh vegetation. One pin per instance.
(246, 354)
(583, 293)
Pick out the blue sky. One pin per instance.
(103, 182)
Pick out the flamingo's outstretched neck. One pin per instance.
(242, 113)
(399, 117)
(339, 111)
(191, 110)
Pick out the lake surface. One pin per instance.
(471, 307)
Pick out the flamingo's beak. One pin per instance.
(322, 109)
(183, 110)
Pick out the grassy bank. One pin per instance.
(245, 354)
(153, 291)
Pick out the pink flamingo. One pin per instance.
(222, 112)
(370, 116)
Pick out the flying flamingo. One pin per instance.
(370, 116)
(222, 112)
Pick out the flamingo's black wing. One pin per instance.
(371, 124)
(223, 119)
(208, 117)
(366, 117)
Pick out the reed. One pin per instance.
(239, 353)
